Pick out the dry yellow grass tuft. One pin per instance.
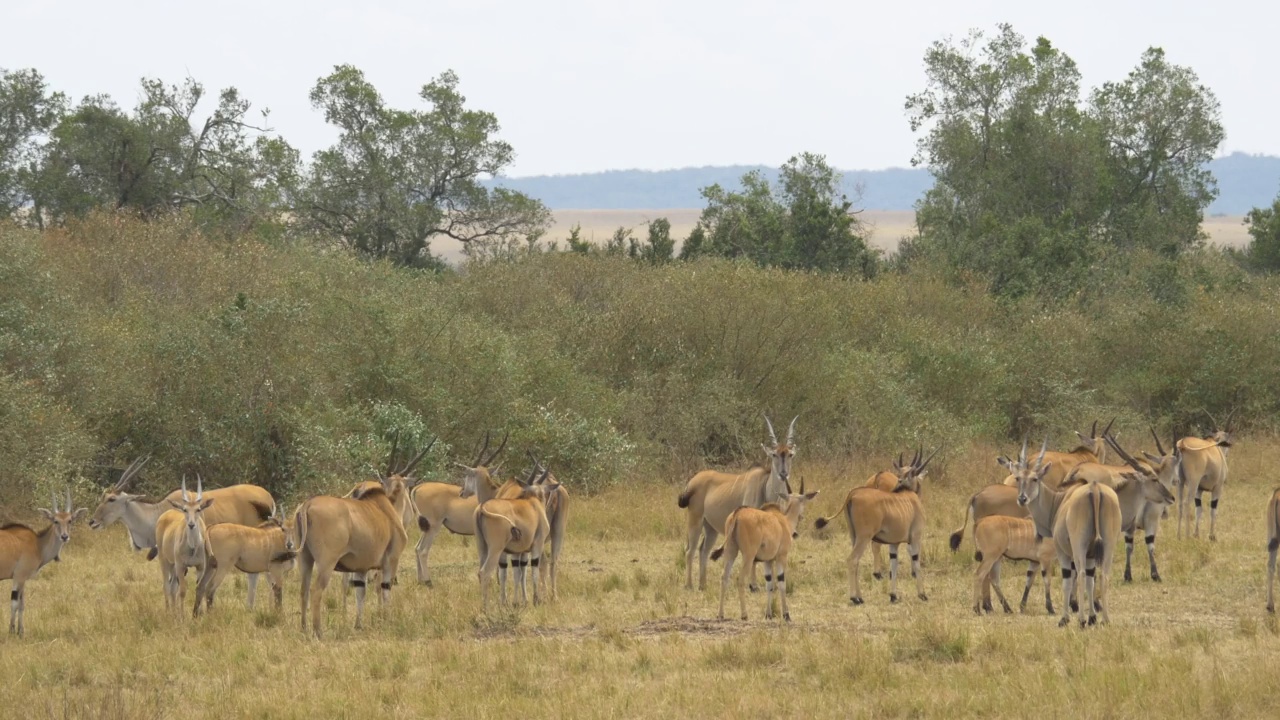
(625, 640)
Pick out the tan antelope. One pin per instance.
(710, 496)
(251, 550)
(887, 481)
(1143, 491)
(23, 551)
(451, 507)
(762, 535)
(516, 526)
(183, 542)
(1083, 519)
(1091, 449)
(241, 504)
(997, 499)
(889, 518)
(1272, 521)
(1202, 467)
(556, 503)
(999, 537)
(351, 535)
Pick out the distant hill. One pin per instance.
(1244, 182)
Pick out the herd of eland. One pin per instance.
(1067, 509)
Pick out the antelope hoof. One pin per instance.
(1128, 576)
(427, 583)
(977, 610)
(893, 597)
(1271, 608)
(1022, 608)
(856, 600)
(1213, 538)
(1007, 610)
(1097, 606)
(754, 588)
(744, 617)
(1155, 577)
(786, 617)
(877, 576)
(1093, 620)
(923, 597)
(986, 605)
(1064, 622)
(1049, 609)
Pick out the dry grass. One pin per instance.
(626, 640)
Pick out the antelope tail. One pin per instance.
(825, 521)
(958, 535)
(1095, 495)
(685, 497)
(300, 524)
(1273, 513)
(515, 531)
(730, 527)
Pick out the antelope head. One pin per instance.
(909, 476)
(397, 478)
(62, 519)
(114, 498)
(482, 469)
(782, 453)
(1164, 462)
(1094, 442)
(1030, 476)
(1153, 487)
(793, 505)
(192, 508)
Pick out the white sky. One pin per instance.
(586, 85)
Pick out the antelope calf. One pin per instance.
(450, 507)
(251, 550)
(1202, 468)
(891, 518)
(710, 496)
(992, 500)
(1000, 537)
(516, 526)
(24, 551)
(350, 535)
(182, 540)
(1272, 521)
(762, 535)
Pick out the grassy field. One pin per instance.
(626, 640)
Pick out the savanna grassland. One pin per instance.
(291, 365)
(625, 639)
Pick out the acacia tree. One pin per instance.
(806, 221)
(28, 111)
(396, 179)
(1032, 186)
(160, 158)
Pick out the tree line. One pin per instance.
(1036, 182)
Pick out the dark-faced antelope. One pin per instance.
(889, 518)
(762, 535)
(451, 507)
(1272, 521)
(251, 550)
(241, 504)
(710, 496)
(999, 537)
(516, 526)
(183, 542)
(23, 551)
(1202, 467)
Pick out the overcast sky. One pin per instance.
(586, 85)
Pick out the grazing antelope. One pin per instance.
(183, 542)
(1272, 521)
(514, 525)
(890, 518)
(252, 550)
(241, 504)
(710, 496)
(999, 537)
(351, 535)
(24, 551)
(450, 507)
(762, 535)
(1202, 467)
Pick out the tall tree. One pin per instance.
(1263, 252)
(28, 111)
(396, 179)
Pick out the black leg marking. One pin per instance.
(1066, 573)
(1128, 539)
(1197, 501)
(534, 562)
(893, 556)
(502, 563)
(1151, 539)
(915, 558)
(1213, 504)
(357, 583)
(768, 577)
(782, 577)
(1031, 574)
(1089, 571)
(385, 586)
(13, 595)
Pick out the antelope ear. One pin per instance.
(1152, 458)
(206, 503)
(767, 450)
(811, 495)
(1005, 463)
(176, 505)
(78, 513)
(47, 513)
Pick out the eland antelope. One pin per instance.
(182, 542)
(516, 526)
(1272, 521)
(914, 473)
(556, 503)
(1202, 467)
(999, 537)
(439, 506)
(23, 551)
(710, 496)
(251, 550)
(762, 535)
